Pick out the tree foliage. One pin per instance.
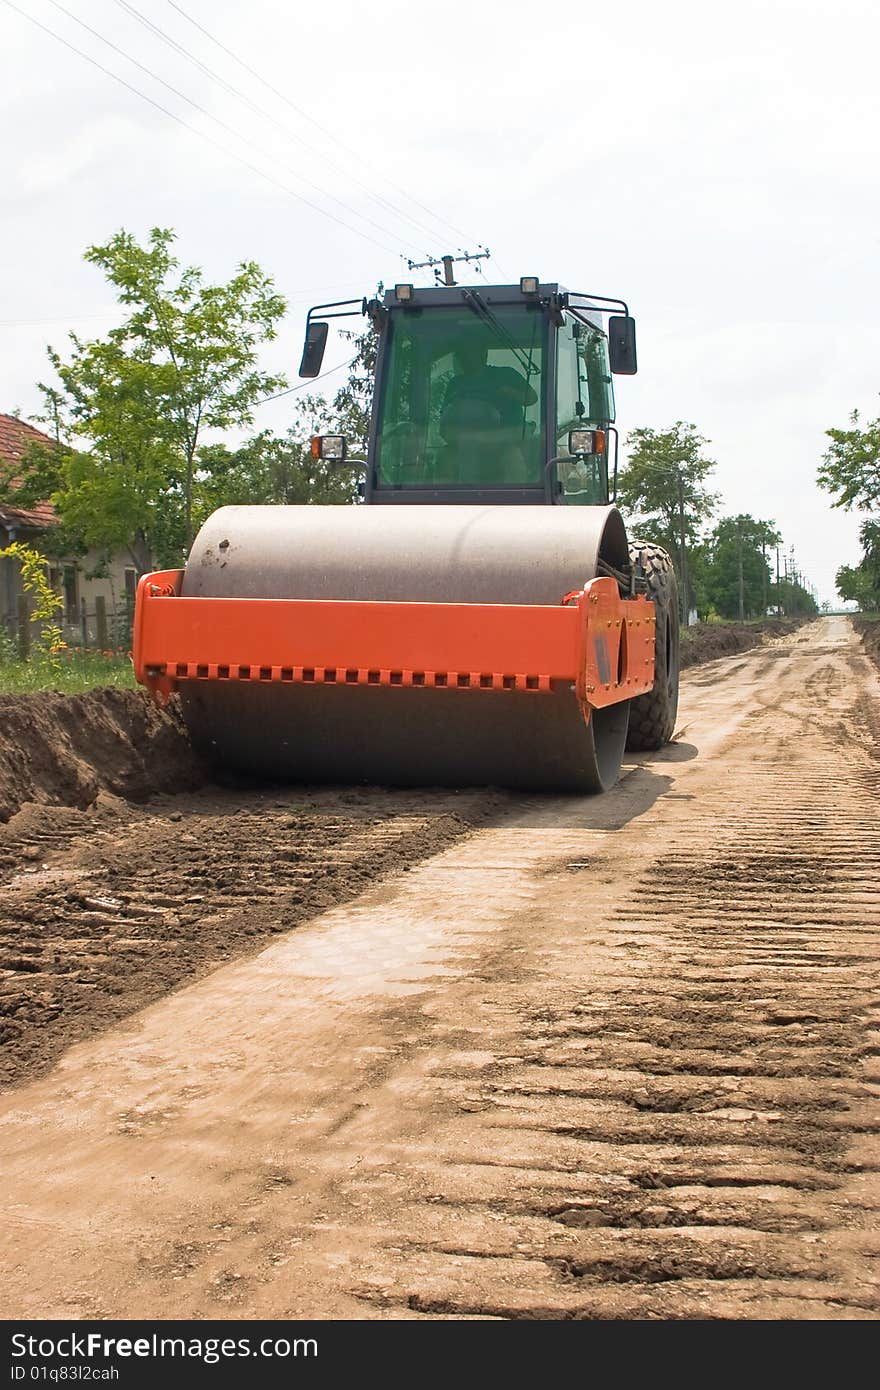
(184, 360)
(850, 470)
(271, 469)
(738, 542)
(353, 402)
(45, 603)
(39, 474)
(861, 583)
(793, 599)
(851, 466)
(662, 489)
(648, 487)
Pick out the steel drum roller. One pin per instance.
(406, 736)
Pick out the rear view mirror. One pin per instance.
(313, 349)
(622, 345)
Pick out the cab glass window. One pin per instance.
(462, 398)
(584, 400)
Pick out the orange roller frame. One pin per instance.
(595, 642)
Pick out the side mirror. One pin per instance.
(622, 345)
(313, 349)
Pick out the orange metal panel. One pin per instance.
(618, 645)
(598, 643)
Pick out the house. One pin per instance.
(98, 593)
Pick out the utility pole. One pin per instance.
(764, 576)
(739, 567)
(779, 609)
(685, 609)
(447, 262)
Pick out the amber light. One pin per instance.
(584, 442)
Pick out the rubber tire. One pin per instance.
(652, 716)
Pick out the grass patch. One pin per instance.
(74, 672)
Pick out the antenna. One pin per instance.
(447, 262)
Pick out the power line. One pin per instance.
(241, 96)
(216, 119)
(195, 131)
(302, 386)
(59, 318)
(441, 221)
(375, 197)
(295, 297)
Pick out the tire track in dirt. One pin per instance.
(700, 1114)
(106, 909)
(615, 1058)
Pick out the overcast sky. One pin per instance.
(715, 165)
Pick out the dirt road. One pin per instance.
(614, 1057)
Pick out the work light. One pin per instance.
(330, 447)
(586, 442)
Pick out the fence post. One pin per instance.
(101, 622)
(24, 628)
(84, 622)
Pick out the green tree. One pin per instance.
(45, 604)
(353, 402)
(850, 470)
(184, 360)
(270, 469)
(736, 576)
(861, 583)
(662, 488)
(851, 465)
(36, 476)
(793, 599)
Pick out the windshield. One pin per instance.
(462, 401)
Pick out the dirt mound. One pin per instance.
(869, 631)
(708, 641)
(65, 749)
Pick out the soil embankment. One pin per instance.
(65, 749)
(708, 641)
(868, 629)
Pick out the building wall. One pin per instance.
(82, 596)
(80, 618)
(9, 588)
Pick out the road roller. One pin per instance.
(479, 616)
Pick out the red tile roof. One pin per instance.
(16, 437)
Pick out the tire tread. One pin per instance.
(652, 716)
